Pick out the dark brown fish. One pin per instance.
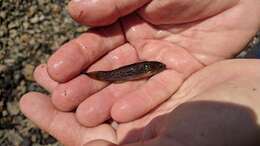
(130, 72)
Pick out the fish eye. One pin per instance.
(161, 65)
(146, 66)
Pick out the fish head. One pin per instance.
(154, 67)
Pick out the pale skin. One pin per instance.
(185, 35)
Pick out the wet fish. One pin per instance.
(130, 72)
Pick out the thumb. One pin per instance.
(102, 12)
(180, 11)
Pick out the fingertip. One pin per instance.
(69, 95)
(25, 101)
(42, 77)
(92, 112)
(34, 105)
(52, 70)
(38, 69)
(67, 62)
(73, 9)
(93, 13)
(31, 99)
(83, 115)
(121, 112)
(61, 99)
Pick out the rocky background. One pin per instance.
(30, 30)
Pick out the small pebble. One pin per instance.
(3, 68)
(26, 25)
(13, 108)
(3, 14)
(33, 138)
(14, 137)
(1, 105)
(56, 9)
(114, 124)
(35, 19)
(13, 33)
(28, 72)
(26, 142)
(4, 113)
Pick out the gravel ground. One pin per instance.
(29, 32)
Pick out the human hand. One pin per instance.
(205, 111)
(185, 43)
(184, 48)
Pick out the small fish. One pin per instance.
(130, 72)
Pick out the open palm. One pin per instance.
(186, 42)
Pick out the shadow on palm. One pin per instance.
(200, 123)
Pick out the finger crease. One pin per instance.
(169, 91)
(52, 123)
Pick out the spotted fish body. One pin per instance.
(130, 72)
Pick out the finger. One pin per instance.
(42, 77)
(96, 109)
(136, 28)
(102, 12)
(69, 95)
(116, 58)
(62, 126)
(79, 53)
(138, 31)
(179, 11)
(156, 90)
